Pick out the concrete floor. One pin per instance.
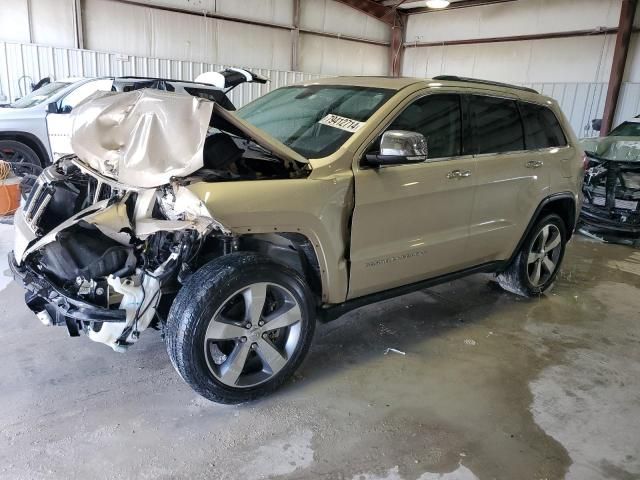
(491, 386)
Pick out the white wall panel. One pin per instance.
(175, 35)
(332, 56)
(253, 46)
(513, 18)
(628, 103)
(274, 11)
(271, 11)
(52, 22)
(573, 59)
(632, 70)
(150, 32)
(331, 16)
(559, 68)
(113, 27)
(14, 21)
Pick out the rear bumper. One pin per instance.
(62, 308)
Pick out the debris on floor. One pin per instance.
(394, 350)
(469, 341)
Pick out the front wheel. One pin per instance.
(535, 267)
(240, 327)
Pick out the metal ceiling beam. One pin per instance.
(514, 38)
(376, 10)
(454, 5)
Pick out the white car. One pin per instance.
(25, 124)
(35, 130)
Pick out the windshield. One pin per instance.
(40, 95)
(314, 120)
(626, 129)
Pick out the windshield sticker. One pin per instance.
(343, 123)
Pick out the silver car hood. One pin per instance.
(145, 137)
(617, 149)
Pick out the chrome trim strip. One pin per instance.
(45, 201)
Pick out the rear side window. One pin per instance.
(438, 118)
(496, 125)
(541, 127)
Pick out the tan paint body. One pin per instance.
(375, 229)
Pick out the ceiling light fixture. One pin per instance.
(438, 3)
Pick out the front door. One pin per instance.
(411, 222)
(59, 124)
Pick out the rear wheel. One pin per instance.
(535, 267)
(240, 327)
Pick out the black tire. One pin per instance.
(21, 156)
(517, 277)
(24, 161)
(204, 295)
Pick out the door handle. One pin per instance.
(458, 174)
(534, 164)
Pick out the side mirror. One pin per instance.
(398, 147)
(52, 107)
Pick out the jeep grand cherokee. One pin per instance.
(234, 233)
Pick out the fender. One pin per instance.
(536, 215)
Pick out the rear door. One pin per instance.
(411, 222)
(511, 179)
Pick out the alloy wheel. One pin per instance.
(544, 255)
(252, 335)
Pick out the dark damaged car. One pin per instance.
(611, 207)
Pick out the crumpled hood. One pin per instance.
(621, 149)
(141, 138)
(145, 137)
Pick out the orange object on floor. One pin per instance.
(9, 195)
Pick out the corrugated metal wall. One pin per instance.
(150, 28)
(573, 70)
(580, 102)
(26, 60)
(629, 103)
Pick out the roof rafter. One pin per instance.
(374, 9)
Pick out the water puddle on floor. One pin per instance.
(461, 473)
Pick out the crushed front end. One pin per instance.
(109, 234)
(611, 207)
(97, 256)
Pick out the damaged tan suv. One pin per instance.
(234, 232)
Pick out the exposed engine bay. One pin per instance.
(611, 207)
(109, 233)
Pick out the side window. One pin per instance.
(82, 92)
(496, 125)
(541, 127)
(438, 118)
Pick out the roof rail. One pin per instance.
(454, 78)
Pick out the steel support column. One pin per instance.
(295, 36)
(623, 38)
(396, 49)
